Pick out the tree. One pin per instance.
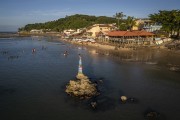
(123, 26)
(130, 22)
(170, 21)
(119, 16)
(71, 22)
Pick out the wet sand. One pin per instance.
(161, 55)
(100, 46)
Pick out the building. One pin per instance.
(146, 25)
(152, 28)
(128, 37)
(139, 24)
(69, 32)
(96, 28)
(72, 32)
(35, 31)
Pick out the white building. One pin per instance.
(96, 28)
(152, 28)
(36, 31)
(69, 32)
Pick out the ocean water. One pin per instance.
(32, 85)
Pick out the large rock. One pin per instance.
(82, 87)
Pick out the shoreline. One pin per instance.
(17, 34)
(96, 45)
(140, 55)
(109, 50)
(114, 48)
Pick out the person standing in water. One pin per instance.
(33, 50)
(65, 53)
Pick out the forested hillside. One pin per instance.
(70, 22)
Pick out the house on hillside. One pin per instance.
(79, 32)
(96, 28)
(72, 32)
(69, 32)
(35, 31)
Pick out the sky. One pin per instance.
(17, 13)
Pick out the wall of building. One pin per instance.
(97, 28)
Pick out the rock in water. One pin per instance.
(81, 76)
(82, 87)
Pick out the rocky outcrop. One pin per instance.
(82, 87)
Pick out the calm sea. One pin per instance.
(32, 84)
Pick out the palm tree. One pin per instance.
(176, 22)
(170, 21)
(119, 16)
(130, 22)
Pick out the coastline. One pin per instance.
(111, 47)
(8, 34)
(141, 54)
(96, 44)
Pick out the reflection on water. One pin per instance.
(32, 84)
(148, 56)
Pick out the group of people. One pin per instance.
(43, 48)
(34, 50)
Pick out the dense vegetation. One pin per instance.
(170, 21)
(70, 22)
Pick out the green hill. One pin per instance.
(70, 22)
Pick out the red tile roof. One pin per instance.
(116, 33)
(129, 33)
(144, 33)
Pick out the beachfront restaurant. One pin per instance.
(128, 38)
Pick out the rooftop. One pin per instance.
(129, 33)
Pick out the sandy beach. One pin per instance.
(100, 46)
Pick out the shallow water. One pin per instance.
(32, 85)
